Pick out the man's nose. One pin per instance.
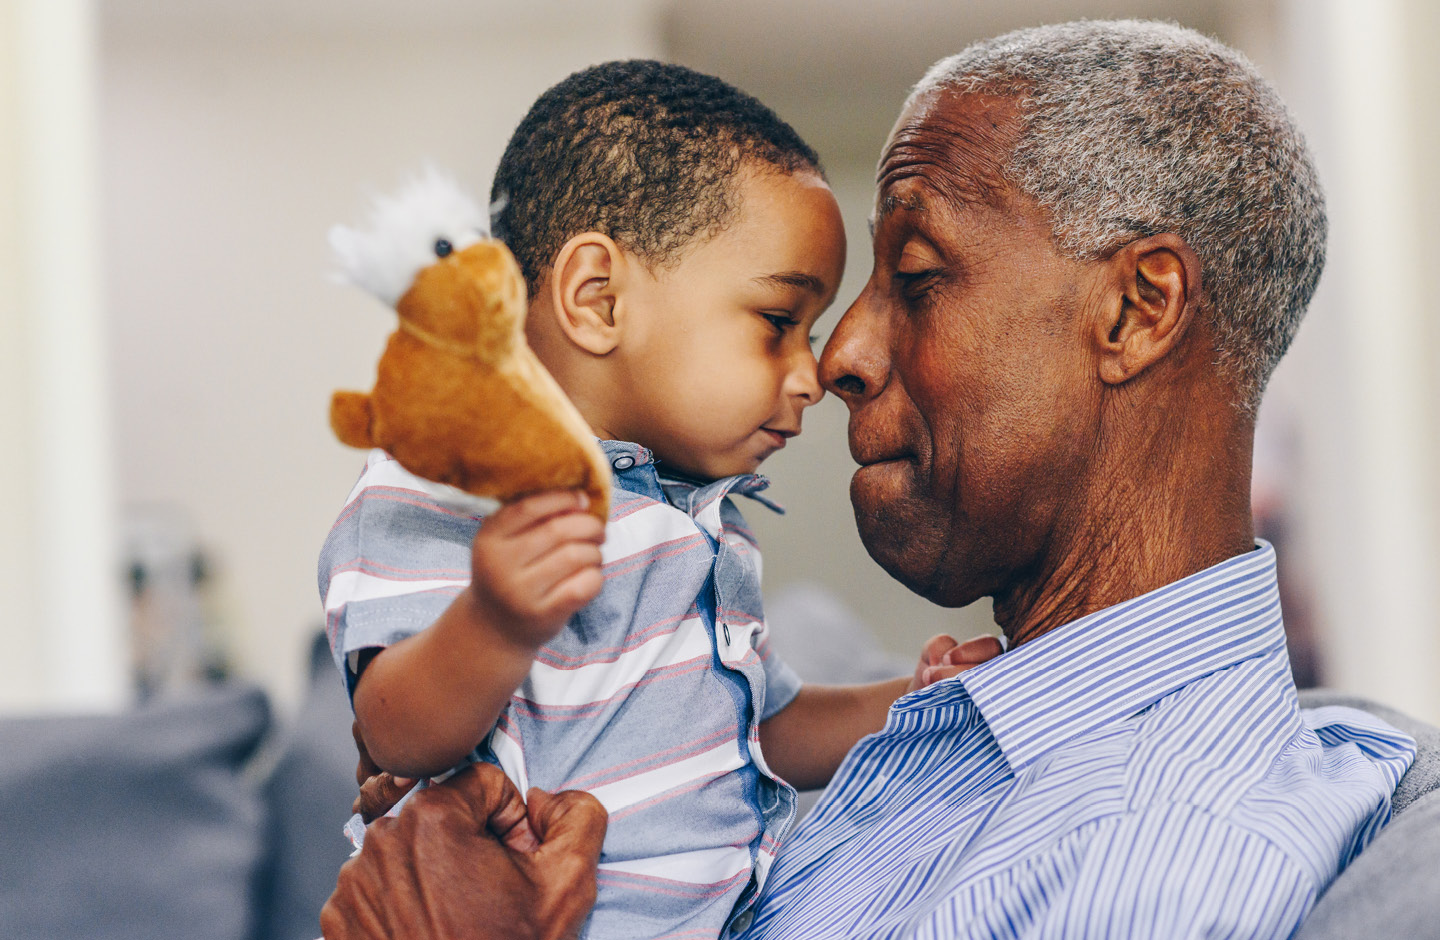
(854, 364)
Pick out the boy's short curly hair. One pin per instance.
(642, 151)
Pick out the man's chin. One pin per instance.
(902, 533)
(883, 495)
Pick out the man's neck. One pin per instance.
(1138, 524)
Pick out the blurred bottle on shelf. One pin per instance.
(176, 640)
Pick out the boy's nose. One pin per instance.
(803, 382)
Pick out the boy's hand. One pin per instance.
(534, 563)
(942, 658)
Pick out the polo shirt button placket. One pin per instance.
(742, 923)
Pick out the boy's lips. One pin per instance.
(779, 435)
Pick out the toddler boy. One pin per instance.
(679, 241)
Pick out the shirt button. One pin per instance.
(742, 923)
(623, 463)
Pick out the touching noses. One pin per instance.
(853, 363)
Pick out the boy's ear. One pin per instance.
(583, 289)
(1151, 297)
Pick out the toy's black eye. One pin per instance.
(443, 248)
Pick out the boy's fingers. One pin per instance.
(936, 647)
(544, 574)
(527, 547)
(528, 510)
(974, 652)
(934, 674)
(574, 592)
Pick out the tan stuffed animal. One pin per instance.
(460, 398)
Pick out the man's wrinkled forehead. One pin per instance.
(956, 144)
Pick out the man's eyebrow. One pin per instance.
(798, 279)
(890, 203)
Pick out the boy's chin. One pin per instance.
(711, 470)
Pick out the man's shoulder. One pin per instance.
(1176, 869)
(1228, 743)
(1310, 787)
(1327, 794)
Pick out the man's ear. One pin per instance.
(1152, 296)
(583, 288)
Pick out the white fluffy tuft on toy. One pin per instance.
(427, 219)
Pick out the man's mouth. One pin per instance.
(871, 458)
(874, 441)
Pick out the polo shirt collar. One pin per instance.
(1116, 662)
(690, 495)
(624, 455)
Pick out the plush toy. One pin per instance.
(460, 398)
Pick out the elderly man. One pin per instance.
(1093, 242)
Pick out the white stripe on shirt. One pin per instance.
(598, 682)
(702, 867)
(717, 760)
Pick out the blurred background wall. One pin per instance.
(169, 339)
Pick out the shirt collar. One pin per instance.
(693, 496)
(624, 455)
(1116, 662)
(689, 495)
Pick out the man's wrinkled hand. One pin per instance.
(469, 860)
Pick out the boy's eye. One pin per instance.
(781, 321)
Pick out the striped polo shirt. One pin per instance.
(1144, 772)
(650, 698)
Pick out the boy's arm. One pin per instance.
(425, 702)
(806, 740)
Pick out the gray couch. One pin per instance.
(196, 818)
(1393, 888)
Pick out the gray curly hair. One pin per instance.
(1133, 128)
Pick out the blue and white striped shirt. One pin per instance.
(650, 699)
(1144, 771)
